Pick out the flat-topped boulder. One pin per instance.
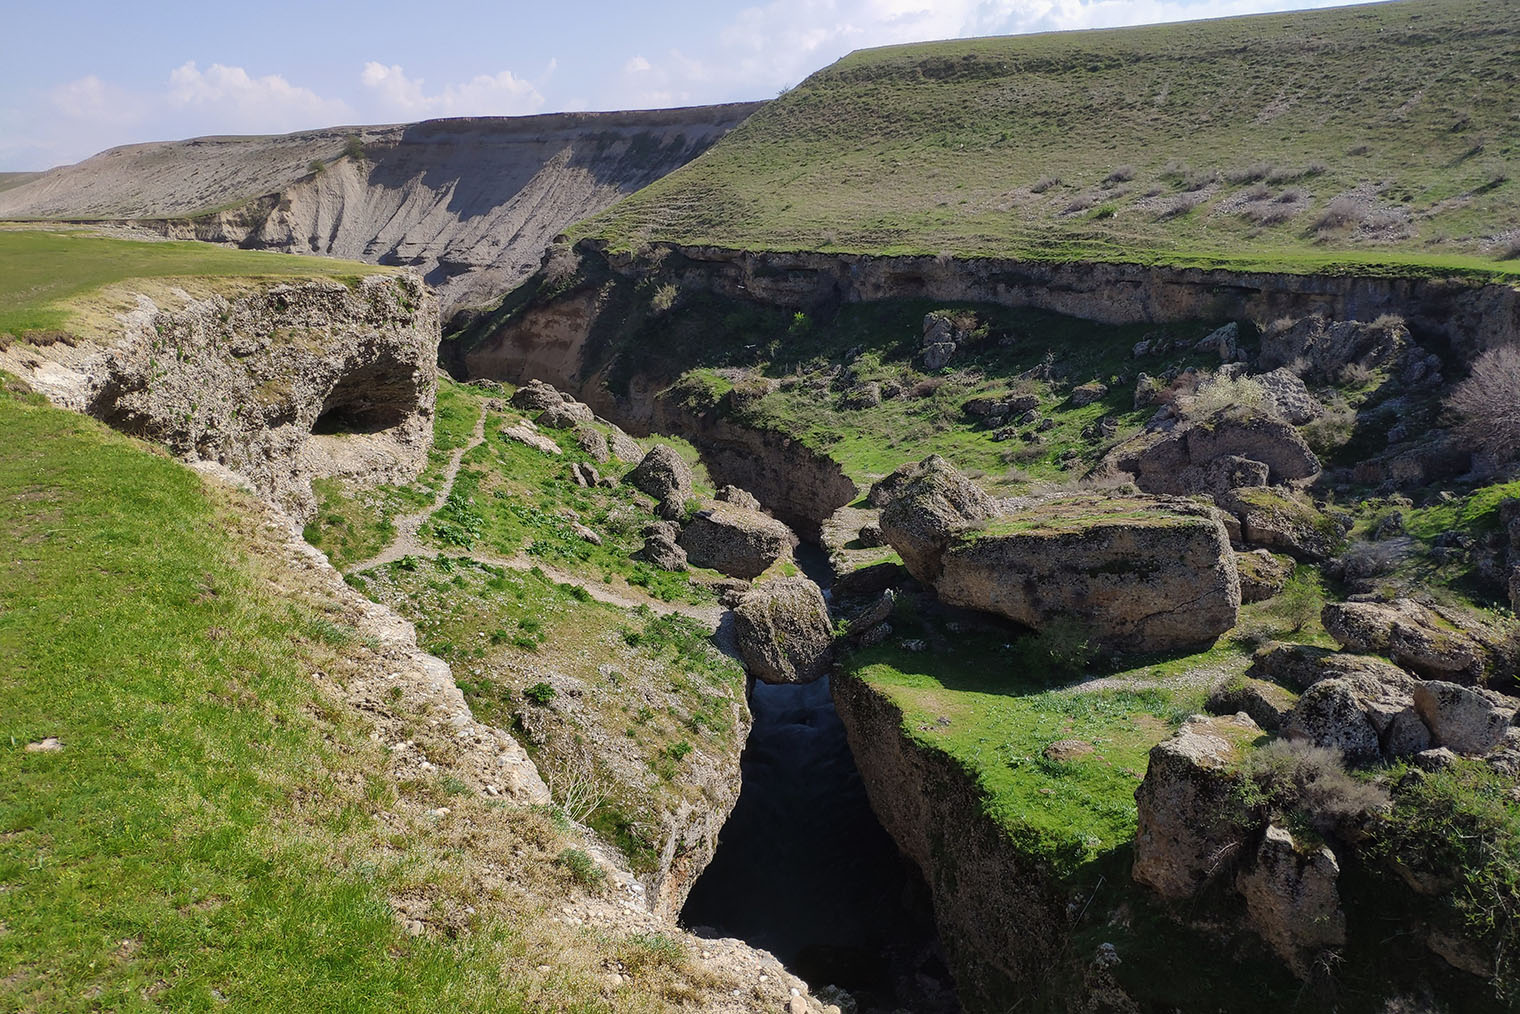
(1139, 573)
(735, 540)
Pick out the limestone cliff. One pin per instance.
(470, 203)
(279, 383)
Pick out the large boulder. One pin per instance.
(660, 547)
(1282, 521)
(1262, 574)
(1299, 666)
(1363, 717)
(783, 631)
(923, 504)
(1415, 636)
(666, 476)
(536, 396)
(1268, 704)
(735, 540)
(1190, 810)
(1322, 348)
(1469, 720)
(1183, 460)
(1292, 899)
(1289, 396)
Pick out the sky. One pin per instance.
(81, 76)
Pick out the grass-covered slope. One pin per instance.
(1378, 134)
(213, 832)
(53, 279)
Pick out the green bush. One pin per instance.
(539, 693)
(582, 867)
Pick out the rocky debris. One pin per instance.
(1230, 449)
(1363, 717)
(49, 744)
(734, 540)
(1292, 899)
(1262, 574)
(591, 441)
(660, 547)
(588, 534)
(923, 504)
(1223, 342)
(1086, 394)
(524, 432)
(1289, 396)
(1417, 637)
(1469, 720)
(940, 340)
(738, 497)
(871, 536)
(1267, 703)
(584, 475)
(1191, 820)
(281, 383)
(862, 396)
(783, 631)
(1438, 456)
(1011, 406)
(1299, 666)
(1282, 520)
(666, 476)
(1324, 347)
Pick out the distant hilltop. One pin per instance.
(471, 203)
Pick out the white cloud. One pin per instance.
(395, 95)
(775, 44)
(236, 101)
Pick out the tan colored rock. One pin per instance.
(1415, 636)
(736, 541)
(738, 497)
(1299, 666)
(1469, 720)
(1292, 899)
(664, 475)
(593, 442)
(1267, 703)
(279, 383)
(1262, 574)
(1191, 820)
(1281, 520)
(1225, 450)
(923, 505)
(783, 631)
(524, 432)
(536, 396)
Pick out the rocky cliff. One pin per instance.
(469, 203)
(279, 383)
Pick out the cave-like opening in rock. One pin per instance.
(372, 399)
(804, 869)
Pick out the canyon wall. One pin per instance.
(470, 203)
(279, 383)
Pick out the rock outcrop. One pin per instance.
(783, 631)
(1293, 900)
(281, 383)
(735, 540)
(1191, 819)
(1415, 636)
(664, 475)
(1468, 720)
(1215, 454)
(468, 202)
(1137, 573)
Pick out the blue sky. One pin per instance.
(83, 76)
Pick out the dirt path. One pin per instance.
(408, 543)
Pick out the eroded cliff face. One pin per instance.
(280, 384)
(1002, 919)
(469, 203)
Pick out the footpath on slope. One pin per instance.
(408, 542)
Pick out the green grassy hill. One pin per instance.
(1381, 134)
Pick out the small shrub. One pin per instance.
(353, 148)
(1333, 430)
(1339, 213)
(801, 324)
(1065, 645)
(1298, 782)
(1123, 174)
(1487, 404)
(1226, 392)
(315, 166)
(581, 867)
(664, 298)
(1104, 211)
(1298, 604)
(539, 693)
(1356, 375)
(1081, 202)
(1251, 173)
(1045, 184)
